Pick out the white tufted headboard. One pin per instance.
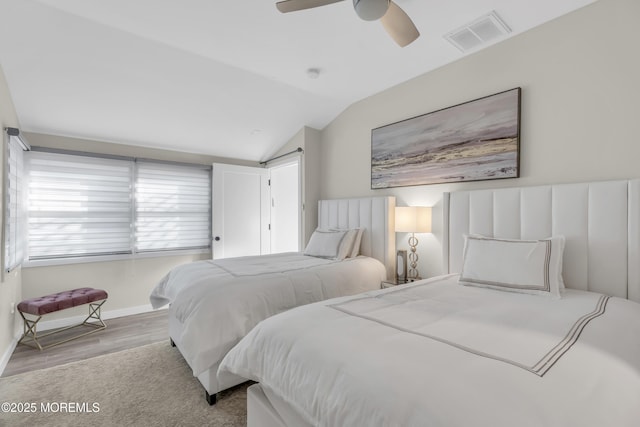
(600, 221)
(375, 214)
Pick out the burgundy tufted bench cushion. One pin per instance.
(61, 300)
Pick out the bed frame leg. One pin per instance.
(211, 398)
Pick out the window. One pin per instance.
(173, 207)
(78, 206)
(14, 203)
(81, 206)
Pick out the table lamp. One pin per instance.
(413, 219)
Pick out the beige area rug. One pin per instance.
(145, 386)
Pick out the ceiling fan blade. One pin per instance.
(399, 26)
(294, 5)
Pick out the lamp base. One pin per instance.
(413, 258)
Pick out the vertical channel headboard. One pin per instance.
(600, 221)
(375, 214)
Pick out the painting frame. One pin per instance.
(477, 140)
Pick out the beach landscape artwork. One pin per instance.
(477, 140)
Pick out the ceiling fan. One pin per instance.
(393, 18)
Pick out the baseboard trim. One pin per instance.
(106, 315)
(7, 354)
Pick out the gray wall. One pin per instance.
(580, 94)
(10, 283)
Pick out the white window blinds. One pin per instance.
(173, 206)
(14, 205)
(81, 206)
(78, 206)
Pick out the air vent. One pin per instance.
(483, 30)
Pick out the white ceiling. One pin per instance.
(218, 77)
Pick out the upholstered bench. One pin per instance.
(56, 302)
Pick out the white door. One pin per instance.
(240, 211)
(285, 207)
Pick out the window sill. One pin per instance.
(108, 258)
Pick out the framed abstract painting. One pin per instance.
(474, 141)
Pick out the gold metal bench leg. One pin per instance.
(30, 331)
(30, 328)
(94, 313)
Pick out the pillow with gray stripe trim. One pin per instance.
(325, 244)
(525, 266)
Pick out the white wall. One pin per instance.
(580, 95)
(99, 147)
(10, 283)
(128, 282)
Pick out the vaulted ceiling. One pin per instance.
(219, 77)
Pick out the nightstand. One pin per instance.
(389, 283)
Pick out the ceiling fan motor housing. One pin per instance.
(371, 10)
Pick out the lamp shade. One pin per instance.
(413, 219)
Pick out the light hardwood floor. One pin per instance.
(121, 333)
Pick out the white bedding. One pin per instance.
(440, 354)
(218, 302)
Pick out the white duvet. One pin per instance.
(218, 302)
(436, 353)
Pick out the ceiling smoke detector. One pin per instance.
(313, 73)
(481, 31)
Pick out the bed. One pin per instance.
(214, 303)
(467, 349)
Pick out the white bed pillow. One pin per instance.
(350, 246)
(526, 266)
(347, 243)
(355, 250)
(325, 244)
